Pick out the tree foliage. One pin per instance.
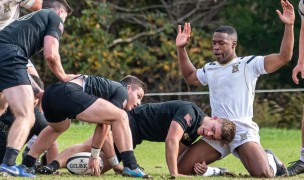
(116, 38)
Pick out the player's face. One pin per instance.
(63, 14)
(211, 131)
(223, 47)
(136, 94)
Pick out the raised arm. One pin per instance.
(274, 61)
(186, 66)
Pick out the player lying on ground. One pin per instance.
(177, 123)
(96, 100)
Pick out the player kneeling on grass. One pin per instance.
(177, 123)
(96, 100)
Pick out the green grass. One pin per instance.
(285, 143)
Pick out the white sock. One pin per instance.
(212, 171)
(302, 154)
(272, 163)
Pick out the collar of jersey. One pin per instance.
(232, 61)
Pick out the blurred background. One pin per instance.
(115, 38)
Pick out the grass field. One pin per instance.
(151, 156)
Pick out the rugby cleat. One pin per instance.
(45, 170)
(138, 172)
(20, 170)
(281, 169)
(296, 167)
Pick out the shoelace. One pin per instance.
(293, 162)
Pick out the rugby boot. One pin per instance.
(296, 167)
(281, 169)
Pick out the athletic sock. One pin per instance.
(54, 165)
(129, 160)
(272, 163)
(25, 152)
(302, 154)
(212, 171)
(29, 161)
(10, 156)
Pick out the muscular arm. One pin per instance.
(274, 61)
(186, 67)
(52, 57)
(174, 136)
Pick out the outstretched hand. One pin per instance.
(182, 38)
(288, 16)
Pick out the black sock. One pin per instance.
(29, 161)
(25, 151)
(129, 160)
(10, 156)
(54, 165)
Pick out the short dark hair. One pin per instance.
(132, 80)
(56, 4)
(228, 131)
(227, 29)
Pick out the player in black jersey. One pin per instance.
(19, 41)
(178, 123)
(97, 100)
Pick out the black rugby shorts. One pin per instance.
(65, 100)
(13, 70)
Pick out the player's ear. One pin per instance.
(129, 88)
(234, 44)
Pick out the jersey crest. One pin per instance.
(7, 7)
(235, 68)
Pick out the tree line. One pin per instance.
(116, 38)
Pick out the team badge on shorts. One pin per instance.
(244, 136)
(186, 137)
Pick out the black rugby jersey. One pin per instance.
(151, 121)
(28, 31)
(113, 91)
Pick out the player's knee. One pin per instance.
(122, 117)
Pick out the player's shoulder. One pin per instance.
(249, 59)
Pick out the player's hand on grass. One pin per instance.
(94, 165)
(182, 38)
(288, 15)
(200, 168)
